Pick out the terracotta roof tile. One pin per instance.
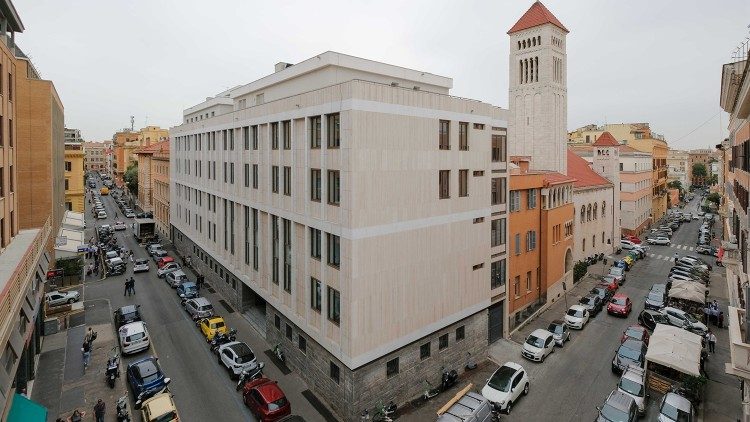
(555, 178)
(157, 147)
(535, 16)
(580, 169)
(606, 140)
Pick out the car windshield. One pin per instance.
(278, 404)
(627, 352)
(243, 352)
(535, 341)
(167, 417)
(555, 328)
(661, 319)
(619, 301)
(675, 413)
(632, 387)
(575, 313)
(656, 296)
(587, 300)
(614, 415)
(616, 271)
(690, 318)
(501, 379)
(216, 325)
(634, 332)
(140, 261)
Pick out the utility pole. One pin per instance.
(132, 123)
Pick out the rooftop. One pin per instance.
(14, 254)
(606, 140)
(537, 15)
(158, 147)
(580, 169)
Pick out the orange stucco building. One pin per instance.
(541, 239)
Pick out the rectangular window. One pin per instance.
(334, 250)
(275, 249)
(246, 175)
(231, 139)
(498, 191)
(315, 132)
(443, 341)
(226, 174)
(286, 132)
(288, 332)
(315, 243)
(302, 344)
(532, 199)
(334, 186)
(68, 166)
(515, 201)
(499, 148)
(315, 294)
(246, 210)
(287, 226)
(333, 130)
(275, 179)
(517, 286)
(497, 232)
(255, 240)
(231, 173)
(255, 137)
(246, 137)
(275, 135)
(463, 136)
(10, 87)
(223, 140)
(528, 281)
(463, 183)
(287, 181)
(424, 351)
(226, 225)
(444, 136)
(334, 305)
(391, 368)
(334, 372)
(315, 185)
(518, 244)
(460, 333)
(444, 184)
(255, 176)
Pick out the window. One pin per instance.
(497, 232)
(277, 322)
(231, 173)
(315, 132)
(498, 191)
(275, 135)
(515, 201)
(255, 176)
(518, 244)
(463, 183)
(255, 240)
(302, 344)
(68, 166)
(275, 249)
(583, 213)
(286, 132)
(315, 294)
(443, 341)
(334, 305)
(246, 137)
(66, 184)
(444, 137)
(528, 281)
(499, 148)
(532, 198)
(10, 86)
(460, 333)
(497, 274)
(593, 241)
(424, 351)
(334, 251)
(226, 173)
(288, 331)
(444, 184)
(530, 240)
(287, 226)
(463, 136)
(315, 185)
(334, 130)
(621, 166)
(287, 181)
(246, 175)
(334, 186)
(334, 372)
(275, 179)
(517, 286)
(255, 137)
(315, 240)
(391, 368)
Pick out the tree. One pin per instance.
(675, 184)
(714, 179)
(699, 170)
(131, 178)
(714, 197)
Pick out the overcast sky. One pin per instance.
(628, 61)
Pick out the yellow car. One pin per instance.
(628, 259)
(213, 325)
(159, 408)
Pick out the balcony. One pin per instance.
(739, 349)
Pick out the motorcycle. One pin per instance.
(113, 370)
(250, 374)
(220, 339)
(122, 409)
(447, 380)
(278, 353)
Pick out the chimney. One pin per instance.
(281, 66)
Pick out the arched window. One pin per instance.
(524, 43)
(593, 241)
(536, 63)
(533, 41)
(604, 207)
(519, 45)
(595, 209)
(583, 213)
(588, 213)
(539, 40)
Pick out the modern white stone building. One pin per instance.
(678, 167)
(357, 213)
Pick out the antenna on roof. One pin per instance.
(132, 123)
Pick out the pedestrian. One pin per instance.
(77, 416)
(86, 349)
(721, 319)
(132, 285)
(127, 287)
(711, 337)
(99, 410)
(89, 336)
(676, 257)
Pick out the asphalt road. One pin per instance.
(575, 379)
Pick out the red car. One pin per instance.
(610, 284)
(620, 304)
(636, 332)
(266, 400)
(634, 239)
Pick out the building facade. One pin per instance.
(95, 156)
(658, 149)
(700, 156)
(146, 172)
(73, 136)
(288, 195)
(124, 143)
(160, 189)
(635, 190)
(74, 177)
(679, 168)
(541, 239)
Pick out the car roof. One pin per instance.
(270, 391)
(578, 307)
(513, 365)
(128, 309)
(187, 284)
(177, 273)
(133, 327)
(146, 366)
(678, 401)
(632, 343)
(541, 333)
(141, 261)
(620, 296)
(620, 400)
(201, 301)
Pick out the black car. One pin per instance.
(604, 293)
(656, 297)
(630, 352)
(649, 318)
(593, 303)
(126, 315)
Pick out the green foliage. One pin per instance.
(579, 270)
(131, 178)
(714, 179)
(699, 170)
(675, 184)
(714, 197)
(70, 266)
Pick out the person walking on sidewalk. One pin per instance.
(711, 337)
(99, 410)
(86, 349)
(90, 336)
(127, 287)
(132, 285)
(676, 257)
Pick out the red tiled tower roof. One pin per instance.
(580, 169)
(535, 16)
(606, 140)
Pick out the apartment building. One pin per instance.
(679, 168)
(74, 175)
(124, 142)
(95, 156)
(658, 149)
(144, 157)
(735, 100)
(73, 136)
(701, 156)
(160, 188)
(350, 208)
(541, 239)
(23, 260)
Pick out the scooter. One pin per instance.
(250, 374)
(278, 352)
(449, 379)
(122, 409)
(113, 370)
(220, 339)
(470, 364)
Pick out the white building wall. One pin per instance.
(591, 235)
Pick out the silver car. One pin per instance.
(675, 408)
(175, 278)
(199, 307)
(57, 298)
(167, 268)
(140, 265)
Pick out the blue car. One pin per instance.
(187, 290)
(146, 378)
(622, 264)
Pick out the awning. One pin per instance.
(675, 348)
(688, 290)
(25, 410)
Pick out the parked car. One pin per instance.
(618, 274)
(150, 249)
(656, 297)
(695, 262)
(649, 318)
(129, 214)
(266, 400)
(506, 385)
(101, 215)
(140, 265)
(538, 345)
(187, 290)
(630, 352)
(199, 307)
(211, 326)
(592, 303)
(637, 332)
(679, 277)
(159, 254)
(175, 278)
(119, 225)
(633, 239)
(559, 331)
(146, 378)
(610, 283)
(675, 271)
(167, 268)
(126, 315)
(603, 292)
(577, 317)
(627, 244)
(707, 250)
(682, 319)
(620, 304)
(164, 261)
(619, 407)
(159, 408)
(237, 356)
(134, 337)
(659, 240)
(633, 383)
(675, 408)
(57, 298)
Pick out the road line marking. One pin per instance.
(691, 248)
(659, 257)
